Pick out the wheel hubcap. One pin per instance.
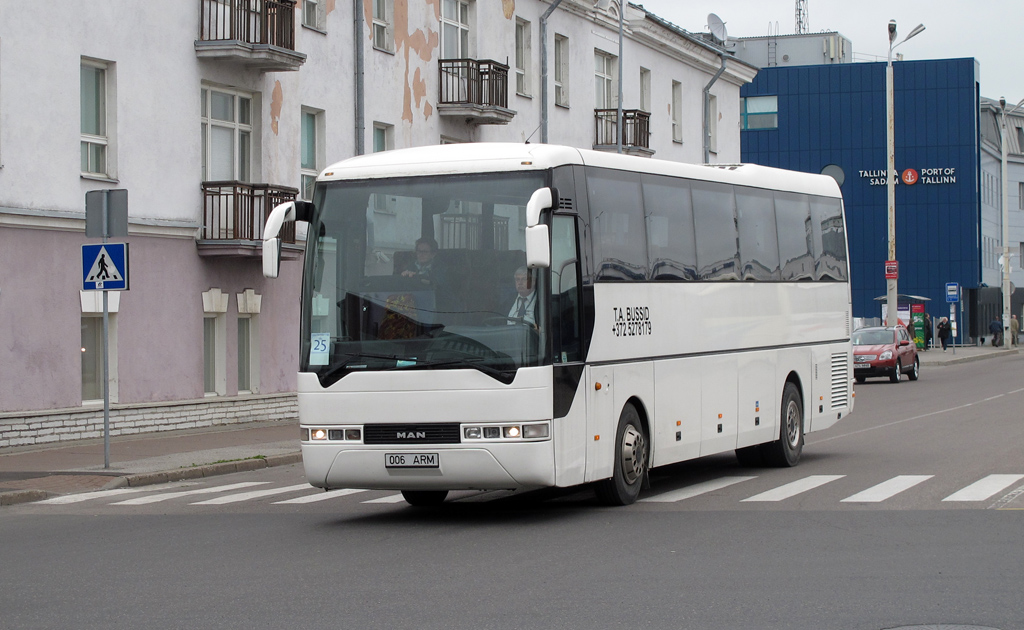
(793, 424)
(634, 454)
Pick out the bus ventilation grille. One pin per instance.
(840, 380)
(446, 433)
(565, 204)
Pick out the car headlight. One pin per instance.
(885, 355)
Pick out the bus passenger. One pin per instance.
(424, 266)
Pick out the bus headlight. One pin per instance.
(534, 431)
(508, 432)
(318, 434)
(331, 434)
(472, 433)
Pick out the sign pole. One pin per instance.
(106, 352)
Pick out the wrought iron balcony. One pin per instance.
(636, 131)
(234, 214)
(476, 90)
(257, 33)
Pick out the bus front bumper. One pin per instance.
(496, 467)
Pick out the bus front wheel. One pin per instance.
(424, 498)
(785, 451)
(631, 457)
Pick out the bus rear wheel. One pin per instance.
(785, 452)
(424, 498)
(631, 457)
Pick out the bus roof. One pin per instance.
(488, 157)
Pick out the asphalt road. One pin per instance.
(745, 555)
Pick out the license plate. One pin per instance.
(411, 460)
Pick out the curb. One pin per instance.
(14, 497)
(971, 359)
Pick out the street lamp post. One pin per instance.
(891, 300)
(1005, 262)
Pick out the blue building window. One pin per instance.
(759, 112)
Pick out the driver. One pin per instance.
(525, 305)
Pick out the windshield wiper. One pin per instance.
(472, 362)
(353, 356)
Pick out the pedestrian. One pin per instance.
(927, 331)
(1014, 329)
(996, 329)
(944, 330)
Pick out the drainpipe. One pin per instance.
(618, 113)
(357, 36)
(544, 71)
(707, 108)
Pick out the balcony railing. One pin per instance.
(259, 32)
(475, 89)
(234, 211)
(636, 128)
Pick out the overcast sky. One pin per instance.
(991, 31)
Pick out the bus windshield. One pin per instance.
(422, 273)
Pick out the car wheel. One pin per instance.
(630, 470)
(785, 452)
(860, 379)
(916, 372)
(424, 498)
(896, 373)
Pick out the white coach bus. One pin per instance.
(669, 311)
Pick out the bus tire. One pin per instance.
(424, 498)
(785, 452)
(631, 459)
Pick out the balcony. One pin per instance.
(234, 214)
(475, 90)
(256, 33)
(636, 131)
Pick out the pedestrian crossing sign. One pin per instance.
(105, 267)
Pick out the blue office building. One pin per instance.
(832, 119)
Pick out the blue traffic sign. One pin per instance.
(952, 292)
(105, 267)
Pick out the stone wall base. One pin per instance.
(60, 425)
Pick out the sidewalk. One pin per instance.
(33, 473)
(37, 472)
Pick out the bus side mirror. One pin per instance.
(538, 247)
(540, 200)
(271, 257)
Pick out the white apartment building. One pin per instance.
(209, 112)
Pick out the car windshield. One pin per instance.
(873, 337)
(422, 273)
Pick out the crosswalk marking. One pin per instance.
(984, 488)
(164, 496)
(255, 494)
(391, 498)
(887, 489)
(696, 489)
(85, 496)
(320, 496)
(792, 489)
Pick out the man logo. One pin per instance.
(411, 435)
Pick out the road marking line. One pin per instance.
(255, 494)
(887, 489)
(792, 489)
(322, 496)
(984, 488)
(696, 489)
(164, 496)
(86, 496)
(394, 498)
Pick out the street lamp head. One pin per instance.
(1002, 103)
(892, 31)
(917, 31)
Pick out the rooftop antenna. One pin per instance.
(802, 23)
(717, 28)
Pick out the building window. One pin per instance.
(522, 57)
(244, 353)
(382, 37)
(1020, 140)
(213, 354)
(96, 123)
(561, 70)
(713, 123)
(645, 90)
(677, 111)
(454, 29)
(606, 96)
(226, 135)
(92, 356)
(1020, 200)
(759, 112)
(313, 14)
(312, 149)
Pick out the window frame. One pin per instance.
(383, 31)
(307, 173)
(523, 57)
(241, 170)
(316, 18)
(746, 115)
(561, 70)
(677, 111)
(609, 78)
(460, 23)
(105, 117)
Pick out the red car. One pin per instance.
(884, 351)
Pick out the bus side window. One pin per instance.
(565, 301)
